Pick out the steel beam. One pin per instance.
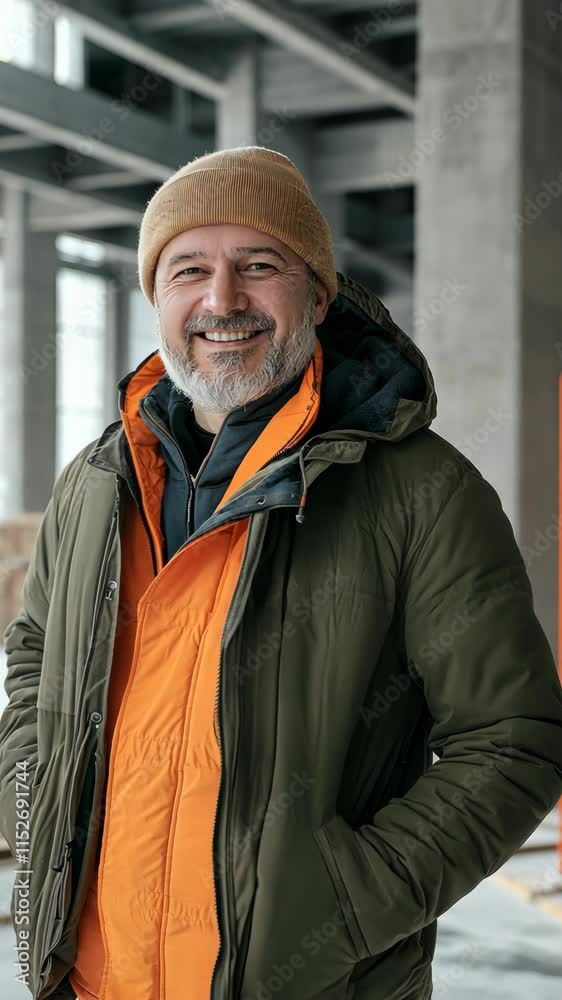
(393, 270)
(319, 44)
(32, 171)
(361, 157)
(116, 34)
(93, 126)
(120, 242)
(173, 14)
(96, 180)
(291, 83)
(391, 229)
(200, 16)
(13, 141)
(180, 16)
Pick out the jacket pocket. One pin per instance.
(61, 858)
(342, 893)
(37, 785)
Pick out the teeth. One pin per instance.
(239, 335)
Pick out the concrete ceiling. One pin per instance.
(336, 77)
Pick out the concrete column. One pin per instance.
(115, 342)
(238, 114)
(334, 208)
(489, 252)
(42, 40)
(181, 108)
(28, 369)
(70, 67)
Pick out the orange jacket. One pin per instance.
(149, 918)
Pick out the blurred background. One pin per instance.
(430, 135)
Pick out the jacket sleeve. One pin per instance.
(495, 702)
(24, 641)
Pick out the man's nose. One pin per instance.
(224, 294)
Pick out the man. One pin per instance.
(257, 606)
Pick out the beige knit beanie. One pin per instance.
(249, 186)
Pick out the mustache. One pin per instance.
(229, 324)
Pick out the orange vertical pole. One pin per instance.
(560, 586)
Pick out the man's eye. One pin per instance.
(194, 268)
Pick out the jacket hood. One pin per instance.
(375, 379)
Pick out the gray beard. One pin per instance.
(230, 386)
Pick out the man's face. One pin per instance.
(228, 279)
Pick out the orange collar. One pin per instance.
(284, 430)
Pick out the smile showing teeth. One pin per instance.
(237, 335)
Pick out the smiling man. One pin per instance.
(236, 316)
(239, 643)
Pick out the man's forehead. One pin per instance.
(208, 241)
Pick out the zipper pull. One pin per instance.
(67, 850)
(300, 515)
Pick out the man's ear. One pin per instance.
(322, 303)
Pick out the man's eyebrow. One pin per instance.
(178, 258)
(270, 250)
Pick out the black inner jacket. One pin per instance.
(190, 444)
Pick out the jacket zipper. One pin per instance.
(220, 744)
(104, 591)
(249, 548)
(140, 509)
(130, 482)
(167, 434)
(189, 478)
(272, 459)
(194, 480)
(56, 909)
